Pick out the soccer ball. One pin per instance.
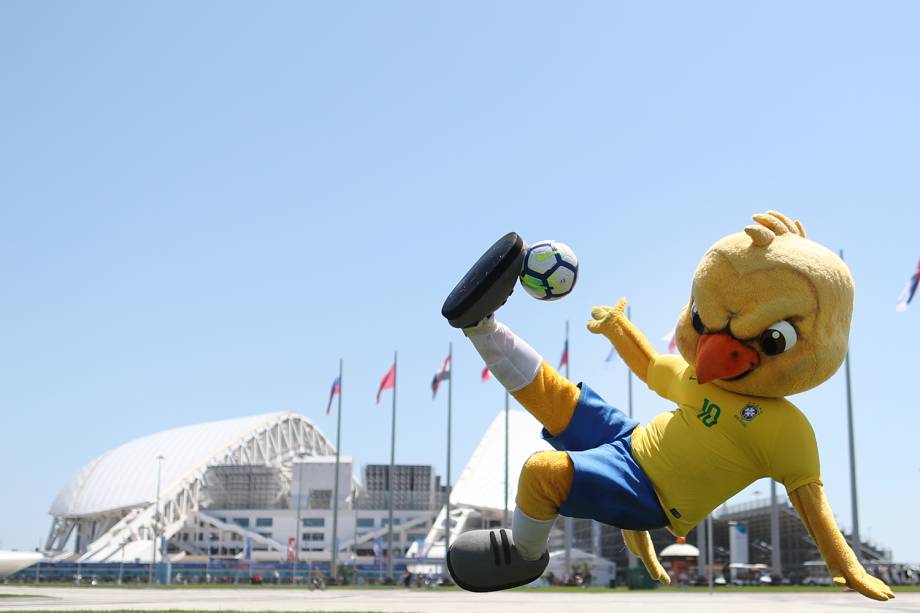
(550, 270)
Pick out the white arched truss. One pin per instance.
(276, 442)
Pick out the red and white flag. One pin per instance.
(336, 389)
(388, 381)
(441, 375)
(564, 360)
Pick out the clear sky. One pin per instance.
(204, 205)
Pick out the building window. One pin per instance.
(242, 522)
(313, 522)
(320, 499)
(313, 536)
(365, 522)
(267, 535)
(263, 522)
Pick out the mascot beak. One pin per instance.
(721, 356)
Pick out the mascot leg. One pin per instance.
(487, 560)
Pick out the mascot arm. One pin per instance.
(640, 544)
(812, 506)
(629, 342)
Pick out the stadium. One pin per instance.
(253, 499)
(241, 496)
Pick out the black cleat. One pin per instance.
(487, 561)
(487, 285)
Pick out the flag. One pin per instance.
(909, 290)
(486, 374)
(612, 355)
(388, 381)
(336, 389)
(671, 339)
(439, 376)
(565, 354)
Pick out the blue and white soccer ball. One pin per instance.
(550, 270)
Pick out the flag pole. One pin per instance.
(631, 560)
(390, 477)
(568, 523)
(450, 390)
(505, 510)
(335, 499)
(629, 397)
(855, 541)
(710, 553)
(776, 559)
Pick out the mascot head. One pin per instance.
(769, 312)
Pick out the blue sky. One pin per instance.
(203, 206)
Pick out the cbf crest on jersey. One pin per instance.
(750, 411)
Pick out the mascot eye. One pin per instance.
(697, 322)
(778, 338)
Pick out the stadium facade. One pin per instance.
(261, 489)
(256, 487)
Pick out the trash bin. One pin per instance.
(638, 579)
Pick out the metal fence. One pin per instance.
(216, 571)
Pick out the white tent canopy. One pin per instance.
(680, 550)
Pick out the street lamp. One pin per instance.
(156, 518)
(297, 527)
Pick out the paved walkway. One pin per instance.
(448, 601)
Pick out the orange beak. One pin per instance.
(721, 356)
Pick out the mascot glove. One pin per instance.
(609, 320)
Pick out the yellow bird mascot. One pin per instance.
(768, 316)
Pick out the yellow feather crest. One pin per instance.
(770, 225)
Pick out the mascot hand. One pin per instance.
(630, 343)
(640, 544)
(608, 320)
(856, 578)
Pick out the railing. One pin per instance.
(216, 571)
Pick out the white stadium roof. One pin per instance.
(126, 476)
(481, 487)
(110, 501)
(482, 483)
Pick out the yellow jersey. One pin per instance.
(716, 442)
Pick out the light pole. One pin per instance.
(297, 527)
(156, 518)
(855, 540)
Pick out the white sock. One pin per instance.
(513, 362)
(530, 535)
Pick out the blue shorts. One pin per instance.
(609, 486)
